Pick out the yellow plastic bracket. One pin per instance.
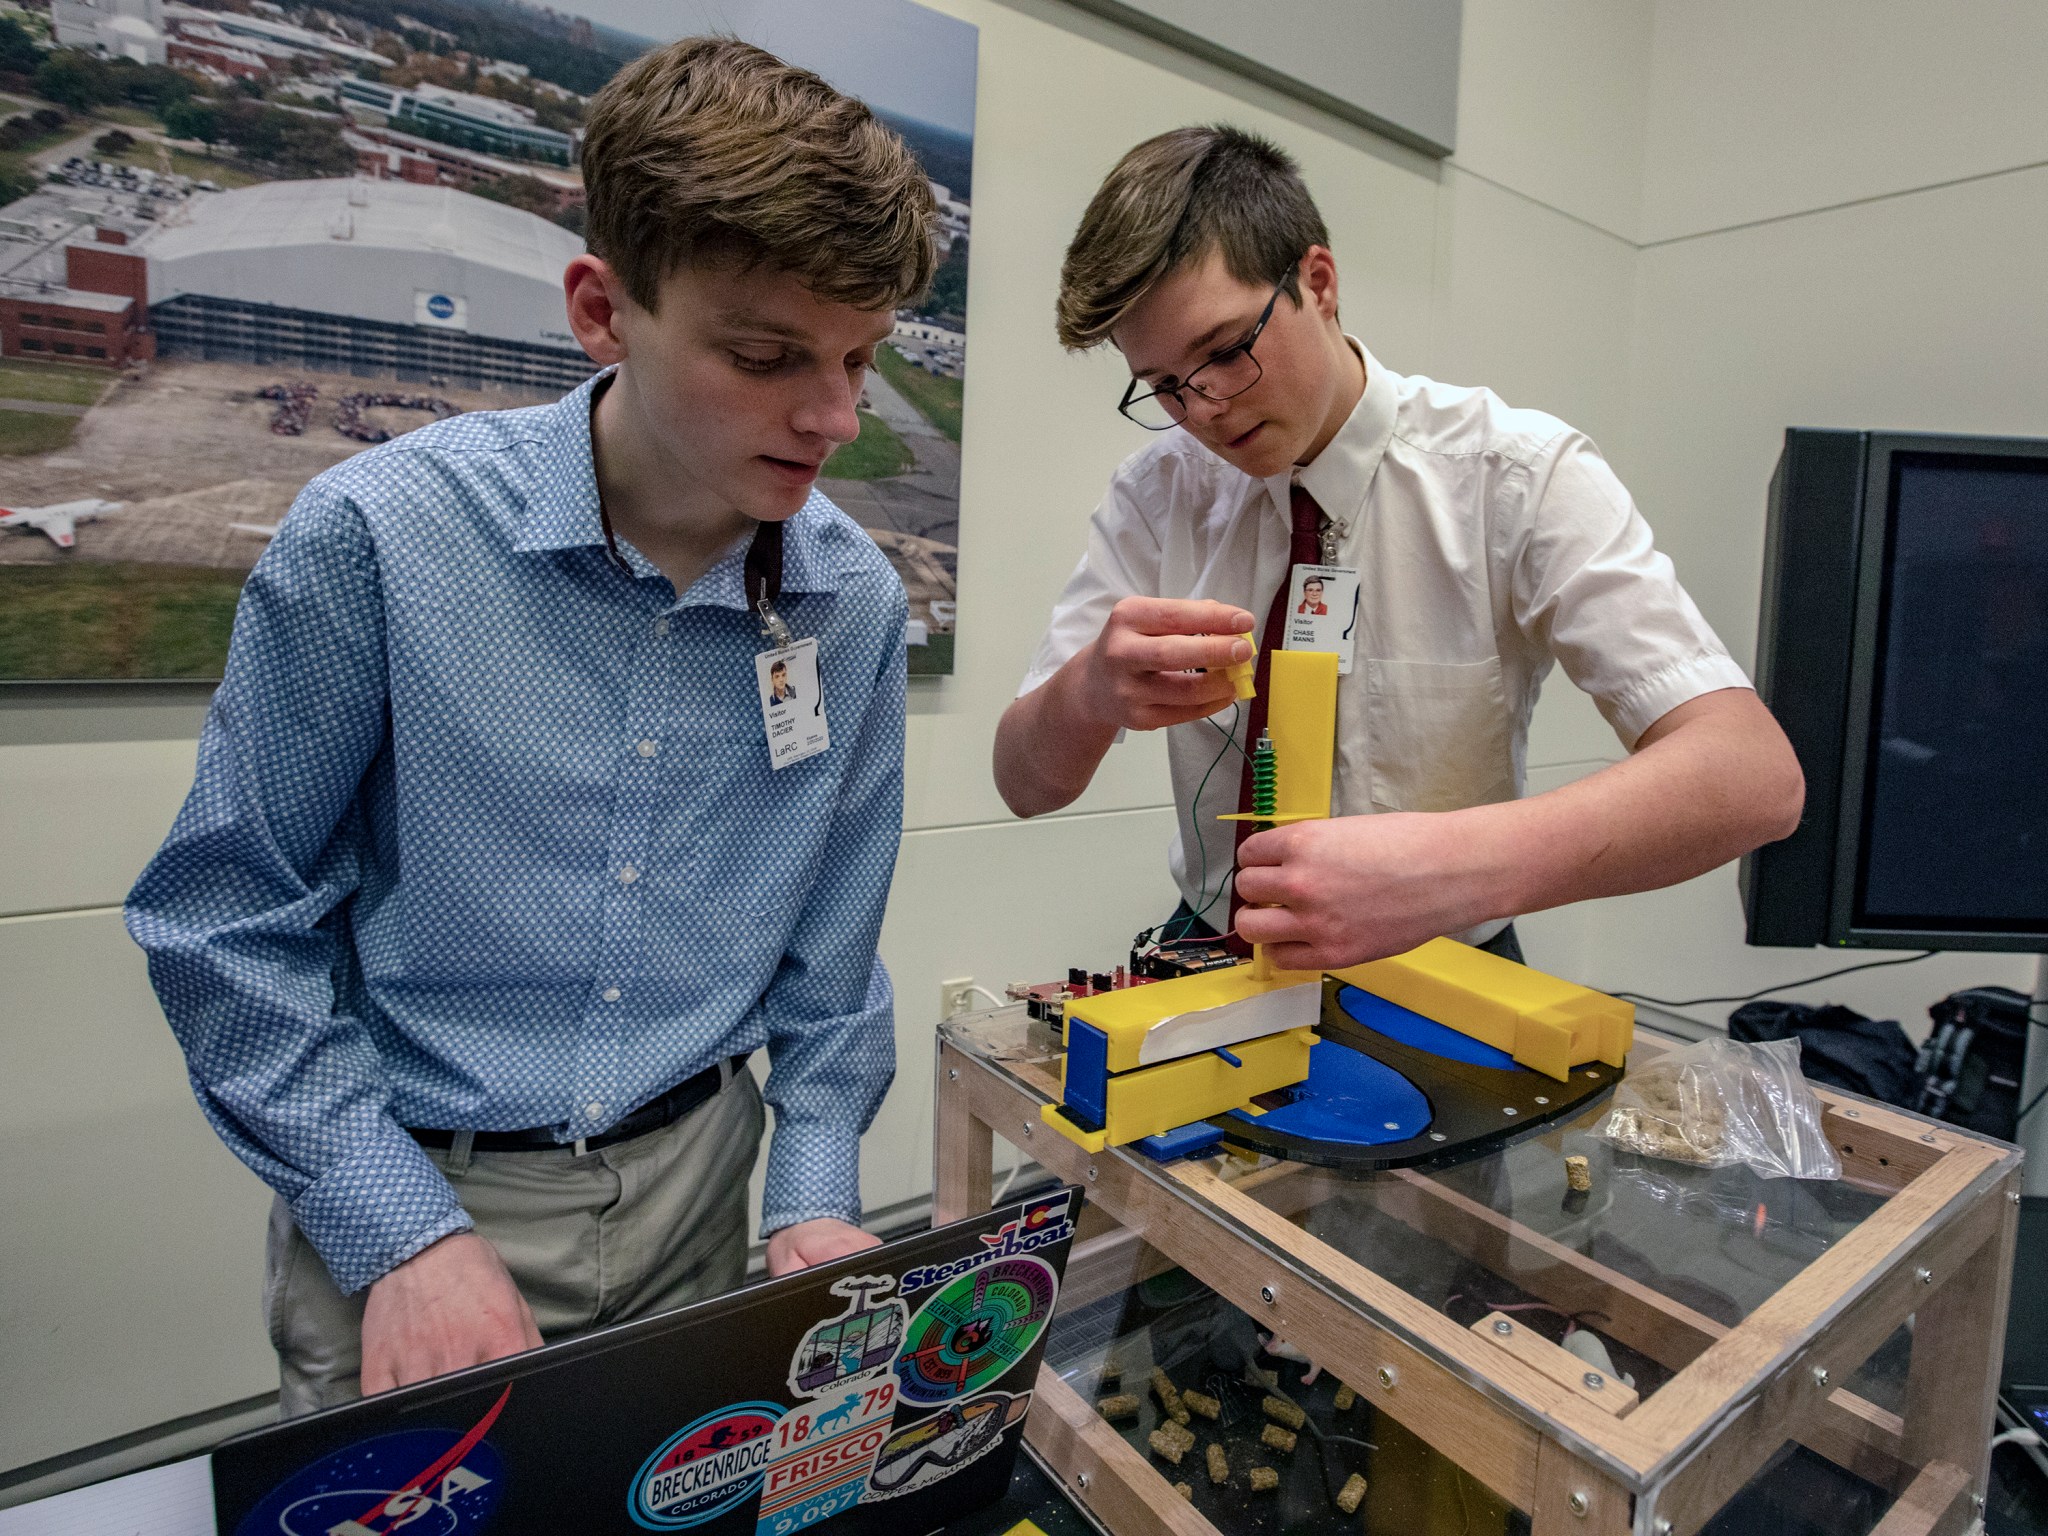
(1154, 1100)
(1242, 674)
(1128, 1015)
(1545, 1023)
(1301, 717)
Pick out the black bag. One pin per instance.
(1837, 1046)
(1969, 1070)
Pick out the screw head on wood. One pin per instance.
(1081, 1480)
(1027, 1130)
(1820, 1375)
(1924, 1275)
(1093, 1175)
(1662, 1527)
(1578, 1504)
(1853, 1114)
(1387, 1377)
(952, 1074)
(1503, 1327)
(1594, 1380)
(2013, 1195)
(1268, 1295)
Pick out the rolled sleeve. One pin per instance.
(830, 1011)
(241, 911)
(1591, 588)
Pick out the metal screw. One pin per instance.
(1662, 1527)
(1092, 1174)
(1924, 1275)
(1578, 1504)
(2013, 1195)
(1594, 1380)
(1027, 1130)
(1387, 1377)
(1929, 1138)
(1503, 1327)
(952, 1074)
(1594, 1075)
(1977, 1502)
(1853, 1114)
(1440, 1136)
(1081, 1480)
(1820, 1375)
(1511, 1110)
(1541, 1100)
(1268, 1295)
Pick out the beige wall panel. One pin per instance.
(79, 820)
(1761, 109)
(131, 1270)
(1551, 102)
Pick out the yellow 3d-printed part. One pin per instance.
(1546, 1024)
(1154, 1100)
(1243, 673)
(1301, 717)
(1134, 1020)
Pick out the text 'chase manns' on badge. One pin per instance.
(792, 703)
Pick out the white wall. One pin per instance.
(1590, 126)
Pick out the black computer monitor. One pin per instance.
(1903, 644)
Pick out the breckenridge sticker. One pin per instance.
(941, 1445)
(705, 1468)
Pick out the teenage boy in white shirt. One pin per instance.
(1486, 543)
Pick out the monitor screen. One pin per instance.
(1955, 791)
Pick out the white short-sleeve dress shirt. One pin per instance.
(1490, 542)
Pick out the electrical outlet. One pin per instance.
(956, 996)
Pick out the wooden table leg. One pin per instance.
(963, 1148)
(1958, 1350)
(1575, 1499)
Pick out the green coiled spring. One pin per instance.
(1265, 786)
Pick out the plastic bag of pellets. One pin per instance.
(1719, 1102)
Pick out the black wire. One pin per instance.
(1783, 986)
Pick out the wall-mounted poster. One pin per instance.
(242, 240)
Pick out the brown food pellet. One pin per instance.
(1219, 1464)
(1264, 1479)
(1578, 1174)
(1122, 1406)
(1186, 1491)
(1345, 1398)
(1165, 1446)
(1169, 1396)
(1179, 1434)
(1352, 1494)
(1202, 1403)
(1280, 1411)
(1279, 1439)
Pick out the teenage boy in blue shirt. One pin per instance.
(467, 928)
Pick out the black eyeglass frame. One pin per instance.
(1173, 392)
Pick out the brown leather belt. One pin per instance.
(651, 1116)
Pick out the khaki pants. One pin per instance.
(619, 1233)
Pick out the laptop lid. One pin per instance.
(885, 1393)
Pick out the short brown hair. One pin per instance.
(1172, 201)
(711, 150)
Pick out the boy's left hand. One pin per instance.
(815, 1242)
(1326, 894)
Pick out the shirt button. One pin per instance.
(610, 994)
(628, 875)
(648, 748)
(661, 626)
(593, 1110)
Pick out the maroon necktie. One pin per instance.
(1305, 548)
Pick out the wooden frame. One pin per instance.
(1938, 1250)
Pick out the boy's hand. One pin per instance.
(1326, 894)
(451, 1305)
(1140, 667)
(815, 1242)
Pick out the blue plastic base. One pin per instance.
(1087, 1084)
(1349, 1100)
(1182, 1141)
(1410, 1028)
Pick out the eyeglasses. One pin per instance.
(1225, 376)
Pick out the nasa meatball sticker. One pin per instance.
(426, 1482)
(821, 1456)
(939, 1446)
(975, 1328)
(705, 1468)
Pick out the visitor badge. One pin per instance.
(792, 705)
(1322, 611)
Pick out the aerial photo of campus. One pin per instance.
(242, 240)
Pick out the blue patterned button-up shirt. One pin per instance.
(485, 836)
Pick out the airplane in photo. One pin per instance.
(60, 521)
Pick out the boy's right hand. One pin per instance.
(1141, 667)
(452, 1304)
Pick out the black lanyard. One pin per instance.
(763, 572)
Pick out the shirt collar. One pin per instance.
(1341, 475)
(563, 513)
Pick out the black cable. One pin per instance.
(1783, 986)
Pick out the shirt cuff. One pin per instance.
(375, 1209)
(1650, 699)
(813, 1171)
